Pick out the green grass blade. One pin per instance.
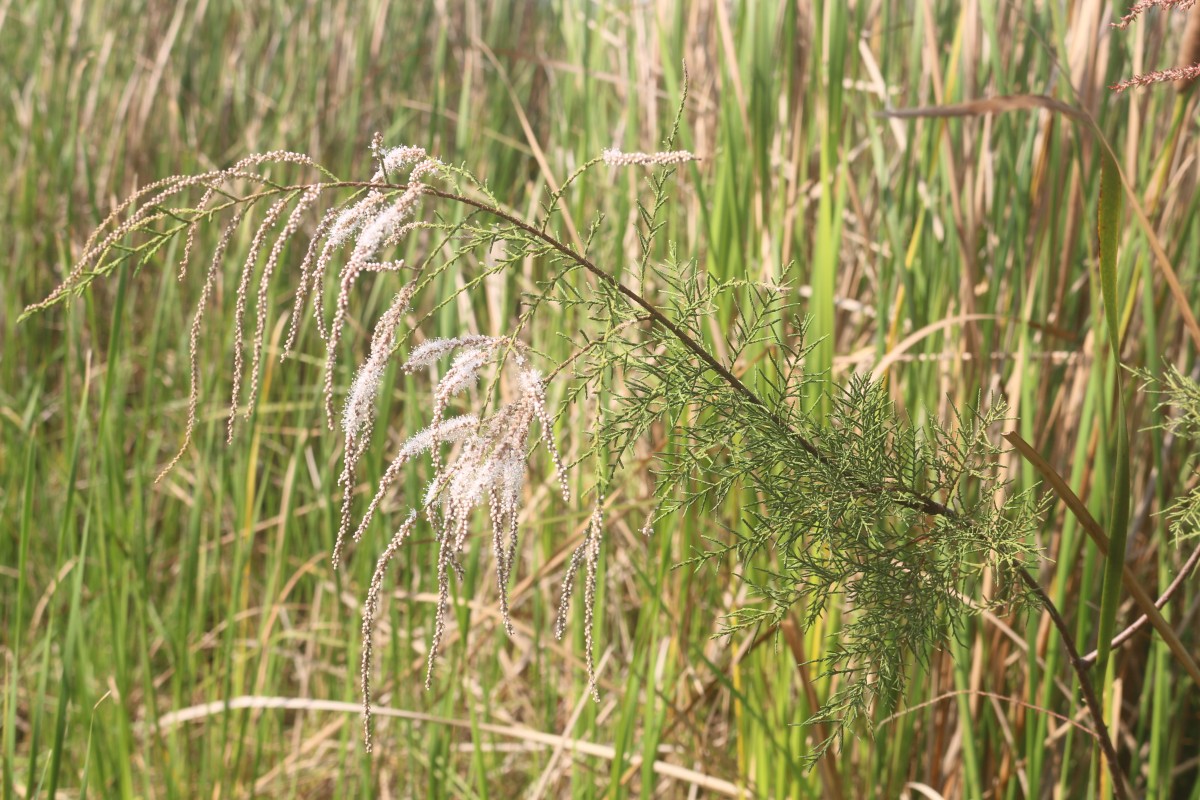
(1109, 219)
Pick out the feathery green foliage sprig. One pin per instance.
(849, 517)
(1180, 404)
(897, 521)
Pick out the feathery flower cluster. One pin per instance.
(147, 206)
(1170, 75)
(615, 158)
(1142, 6)
(487, 467)
(487, 454)
(588, 556)
(1187, 69)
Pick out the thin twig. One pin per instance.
(917, 502)
(1085, 685)
(1093, 529)
(520, 732)
(1161, 602)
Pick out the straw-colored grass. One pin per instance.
(191, 638)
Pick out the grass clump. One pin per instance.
(856, 503)
(194, 632)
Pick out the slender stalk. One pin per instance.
(917, 501)
(1125, 635)
(1098, 536)
(1085, 684)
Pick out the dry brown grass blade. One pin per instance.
(988, 105)
(520, 732)
(1068, 722)
(879, 371)
(531, 138)
(1100, 538)
(1162, 600)
(1189, 48)
(1033, 102)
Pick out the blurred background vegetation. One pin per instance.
(962, 251)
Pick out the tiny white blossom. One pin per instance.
(431, 350)
(615, 158)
